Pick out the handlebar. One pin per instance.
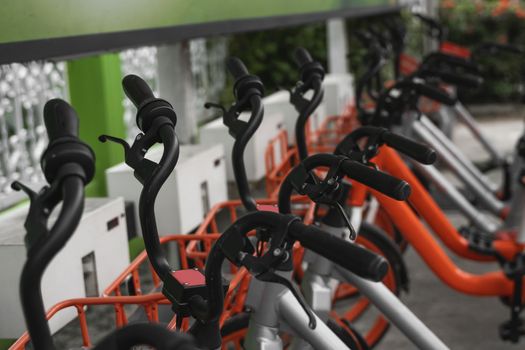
(137, 90)
(414, 150)
(434, 93)
(380, 181)
(230, 245)
(64, 147)
(352, 257)
(149, 108)
(236, 68)
(311, 75)
(454, 62)
(39, 257)
(461, 80)
(157, 120)
(302, 57)
(60, 120)
(495, 48)
(379, 136)
(248, 91)
(68, 165)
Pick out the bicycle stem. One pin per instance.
(72, 190)
(239, 146)
(148, 196)
(304, 115)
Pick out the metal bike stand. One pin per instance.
(477, 217)
(466, 118)
(317, 281)
(486, 198)
(459, 155)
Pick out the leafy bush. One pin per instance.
(471, 23)
(269, 54)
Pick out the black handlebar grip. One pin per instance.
(302, 56)
(137, 90)
(435, 94)
(494, 48)
(437, 59)
(378, 180)
(462, 80)
(510, 48)
(414, 150)
(236, 67)
(352, 257)
(60, 119)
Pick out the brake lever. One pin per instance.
(272, 277)
(209, 105)
(340, 209)
(41, 205)
(322, 191)
(230, 117)
(297, 98)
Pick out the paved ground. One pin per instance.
(462, 322)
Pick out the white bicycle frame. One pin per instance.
(422, 128)
(273, 308)
(466, 119)
(318, 289)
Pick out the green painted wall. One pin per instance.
(6, 343)
(96, 94)
(37, 19)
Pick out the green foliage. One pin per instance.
(269, 54)
(6, 343)
(470, 24)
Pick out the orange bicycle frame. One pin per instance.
(414, 231)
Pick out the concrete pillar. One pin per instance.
(98, 78)
(337, 46)
(176, 86)
(431, 8)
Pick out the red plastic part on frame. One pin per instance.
(189, 277)
(454, 49)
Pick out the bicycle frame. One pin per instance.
(466, 119)
(277, 305)
(318, 289)
(459, 158)
(474, 180)
(414, 231)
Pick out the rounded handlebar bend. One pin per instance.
(382, 182)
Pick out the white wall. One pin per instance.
(63, 278)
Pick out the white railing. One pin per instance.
(24, 89)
